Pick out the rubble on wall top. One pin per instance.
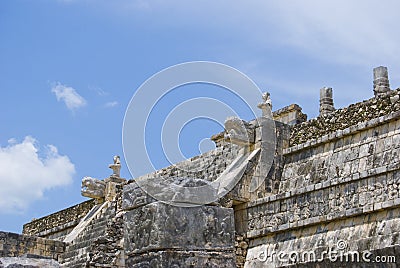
(343, 118)
(58, 219)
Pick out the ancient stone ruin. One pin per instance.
(330, 199)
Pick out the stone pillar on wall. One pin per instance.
(381, 81)
(326, 101)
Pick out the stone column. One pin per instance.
(381, 81)
(325, 101)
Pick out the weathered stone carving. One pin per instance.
(350, 198)
(166, 226)
(266, 140)
(238, 131)
(294, 213)
(181, 259)
(379, 192)
(116, 167)
(267, 103)
(93, 188)
(133, 196)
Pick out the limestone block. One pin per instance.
(157, 226)
(182, 259)
(28, 262)
(133, 196)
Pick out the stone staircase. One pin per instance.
(76, 253)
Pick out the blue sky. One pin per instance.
(68, 70)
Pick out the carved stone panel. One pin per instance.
(182, 259)
(159, 226)
(133, 196)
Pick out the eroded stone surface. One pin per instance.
(343, 118)
(21, 262)
(182, 259)
(133, 196)
(159, 226)
(93, 188)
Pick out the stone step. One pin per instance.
(90, 236)
(75, 263)
(75, 257)
(75, 254)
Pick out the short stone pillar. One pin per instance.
(381, 81)
(111, 187)
(326, 101)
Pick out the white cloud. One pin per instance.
(111, 104)
(25, 175)
(356, 32)
(69, 96)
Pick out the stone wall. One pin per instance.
(372, 234)
(170, 236)
(339, 186)
(59, 224)
(290, 115)
(16, 245)
(345, 118)
(28, 262)
(241, 246)
(207, 166)
(352, 152)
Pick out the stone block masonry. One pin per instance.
(374, 235)
(17, 245)
(339, 184)
(59, 224)
(356, 152)
(181, 236)
(347, 117)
